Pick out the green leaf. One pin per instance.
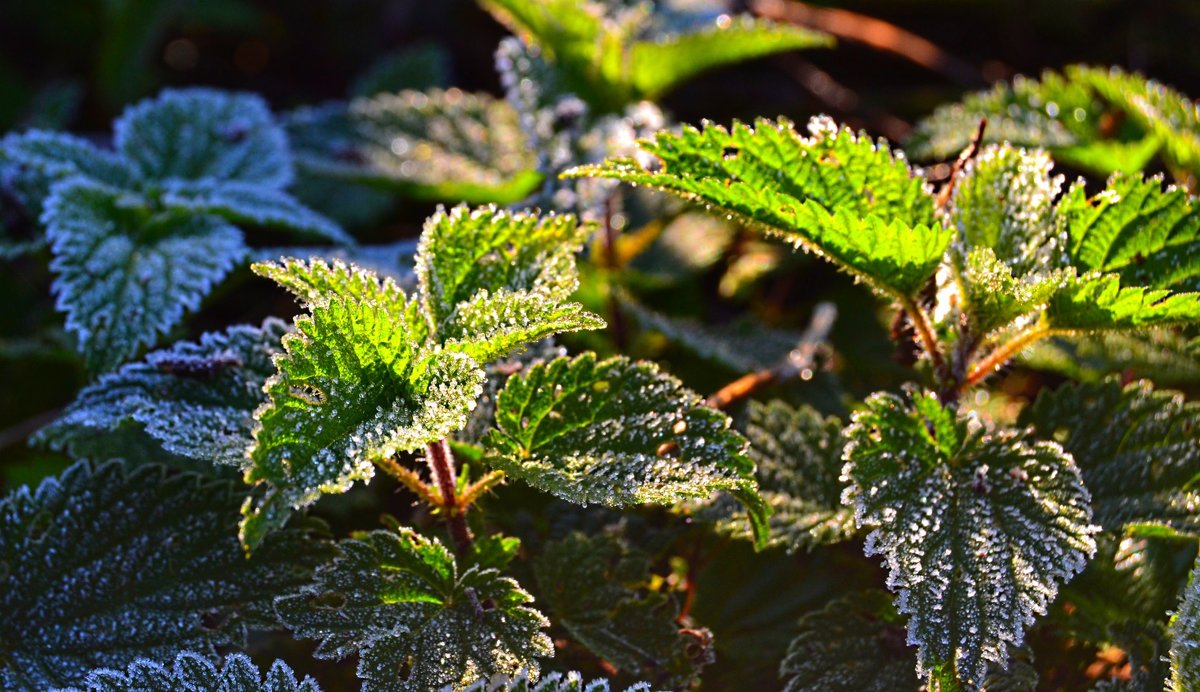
(994, 297)
(125, 273)
(106, 565)
(598, 590)
(196, 673)
(1098, 302)
(1185, 637)
(437, 146)
(618, 433)
(252, 204)
(355, 383)
(1138, 449)
(1004, 200)
(979, 529)
(194, 400)
(856, 643)
(1061, 112)
(492, 280)
(612, 57)
(228, 136)
(1133, 227)
(657, 66)
(418, 619)
(840, 195)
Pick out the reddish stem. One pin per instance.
(441, 467)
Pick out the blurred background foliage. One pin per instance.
(74, 64)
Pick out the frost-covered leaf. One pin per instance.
(552, 682)
(127, 273)
(618, 433)
(196, 673)
(1098, 302)
(39, 159)
(1061, 112)
(106, 564)
(252, 204)
(419, 619)
(193, 400)
(483, 417)
(798, 459)
(197, 133)
(598, 590)
(612, 56)
(437, 145)
(854, 644)
(1148, 235)
(835, 193)
(390, 260)
(979, 529)
(1004, 200)
(492, 280)
(355, 383)
(1138, 449)
(994, 297)
(1185, 637)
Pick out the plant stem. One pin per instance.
(1000, 355)
(921, 323)
(441, 467)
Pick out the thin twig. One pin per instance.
(799, 360)
(873, 32)
(960, 163)
(441, 467)
(1002, 354)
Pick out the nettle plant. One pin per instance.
(591, 511)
